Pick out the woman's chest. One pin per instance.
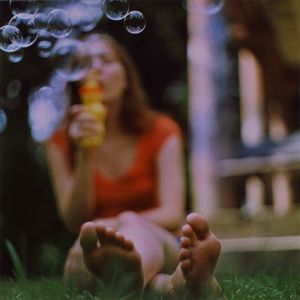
(118, 157)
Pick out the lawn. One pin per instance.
(261, 286)
(270, 283)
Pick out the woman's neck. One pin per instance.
(113, 125)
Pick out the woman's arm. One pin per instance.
(171, 186)
(73, 188)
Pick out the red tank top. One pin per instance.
(136, 189)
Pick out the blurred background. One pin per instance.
(226, 70)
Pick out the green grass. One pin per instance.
(270, 284)
(262, 286)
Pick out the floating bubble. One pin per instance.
(68, 59)
(91, 18)
(13, 88)
(84, 15)
(44, 48)
(135, 22)
(91, 2)
(46, 93)
(175, 93)
(47, 107)
(59, 23)
(10, 38)
(42, 117)
(115, 9)
(16, 56)
(58, 85)
(40, 22)
(23, 6)
(25, 23)
(3, 120)
(12, 94)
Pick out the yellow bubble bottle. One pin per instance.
(91, 93)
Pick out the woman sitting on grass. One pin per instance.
(125, 196)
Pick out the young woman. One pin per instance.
(125, 196)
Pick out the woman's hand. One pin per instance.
(83, 124)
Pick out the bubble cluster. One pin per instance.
(24, 6)
(66, 57)
(36, 21)
(52, 27)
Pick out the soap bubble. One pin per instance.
(47, 107)
(40, 22)
(135, 22)
(85, 16)
(25, 23)
(16, 56)
(59, 23)
(91, 18)
(24, 6)
(115, 9)
(3, 120)
(10, 38)
(67, 57)
(12, 94)
(46, 93)
(13, 88)
(175, 93)
(44, 48)
(45, 44)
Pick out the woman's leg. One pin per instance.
(156, 247)
(198, 256)
(145, 250)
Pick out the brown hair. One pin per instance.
(135, 116)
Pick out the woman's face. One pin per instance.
(107, 69)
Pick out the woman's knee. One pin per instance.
(129, 217)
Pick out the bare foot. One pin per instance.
(112, 258)
(198, 256)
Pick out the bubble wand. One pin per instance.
(91, 93)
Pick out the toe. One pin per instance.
(109, 237)
(187, 230)
(185, 242)
(88, 236)
(120, 239)
(198, 224)
(189, 233)
(184, 254)
(186, 265)
(128, 245)
(123, 242)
